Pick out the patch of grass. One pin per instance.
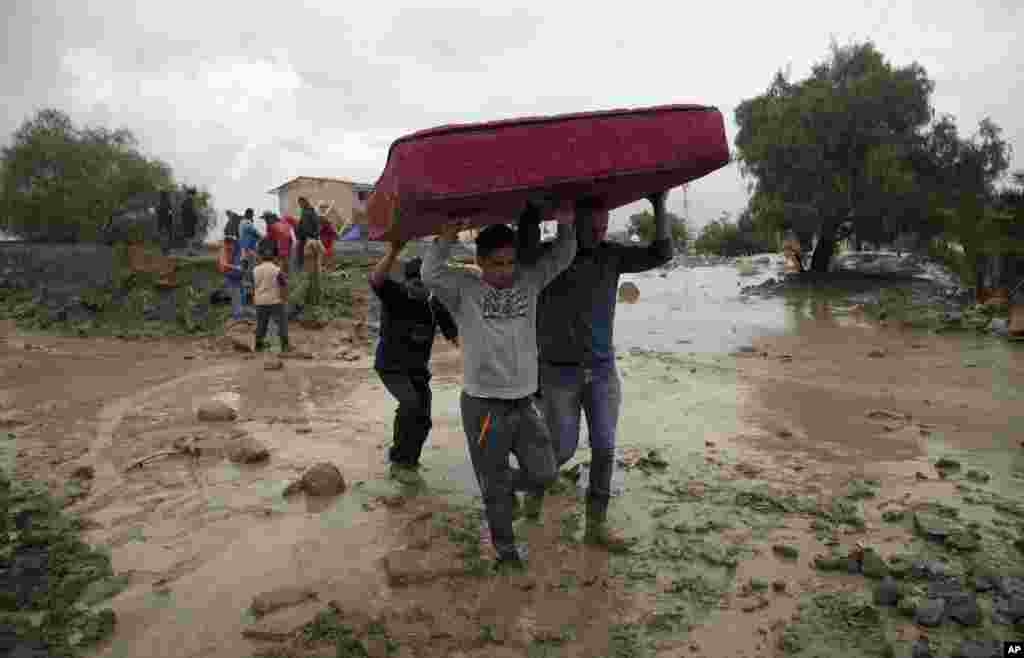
(835, 623)
(56, 570)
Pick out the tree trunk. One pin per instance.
(825, 248)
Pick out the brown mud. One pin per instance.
(797, 448)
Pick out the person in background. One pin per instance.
(496, 315)
(409, 320)
(249, 239)
(189, 216)
(577, 357)
(165, 220)
(308, 229)
(292, 263)
(233, 274)
(271, 295)
(279, 232)
(328, 236)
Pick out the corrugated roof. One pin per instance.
(355, 185)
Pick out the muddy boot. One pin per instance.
(509, 562)
(407, 475)
(599, 534)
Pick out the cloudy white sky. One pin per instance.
(240, 96)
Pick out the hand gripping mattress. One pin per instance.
(485, 172)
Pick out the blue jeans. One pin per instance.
(235, 290)
(569, 391)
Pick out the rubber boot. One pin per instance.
(598, 533)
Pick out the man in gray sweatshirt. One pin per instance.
(496, 314)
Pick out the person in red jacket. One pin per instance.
(281, 233)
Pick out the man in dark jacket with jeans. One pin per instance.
(577, 356)
(409, 319)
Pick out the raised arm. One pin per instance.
(555, 260)
(528, 244)
(437, 276)
(445, 321)
(659, 252)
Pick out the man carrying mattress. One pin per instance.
(577, 355)
(496, 315)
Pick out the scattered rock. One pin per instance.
(784, 434)
(920, 477)
(323, 479)
(984, 583)
(876, 354)
(84, 473)
(759, 603)
(247, 450)
(1008, 600)
(786, 552)
(281, 598)
(274, 364)
(215, 411)
(304, 430)
(887, 592)
(930, 612)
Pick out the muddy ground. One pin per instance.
(737, 472)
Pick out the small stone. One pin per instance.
(887, 592)
(247, 450)
(759, 603)
(303, 430)
(876, 354)
(784, 434)
(930, 612)
(786, 552)
(274, 364)
(920, 477)
(779, 586)
(709, 444)
(281, 598)
(215, 411)
(84, 473)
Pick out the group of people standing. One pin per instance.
(246, 250)
(536, 330)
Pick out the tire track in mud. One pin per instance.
(107, 477)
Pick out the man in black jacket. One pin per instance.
(409, 319)
(308, 229)
(575, 324)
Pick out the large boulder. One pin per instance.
(323, 479)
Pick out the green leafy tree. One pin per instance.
(62, 182)
(643, 225)
(827, 147)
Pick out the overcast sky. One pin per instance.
(239, 97)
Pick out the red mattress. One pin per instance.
(484, 172)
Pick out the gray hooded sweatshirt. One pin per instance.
(498, 326)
